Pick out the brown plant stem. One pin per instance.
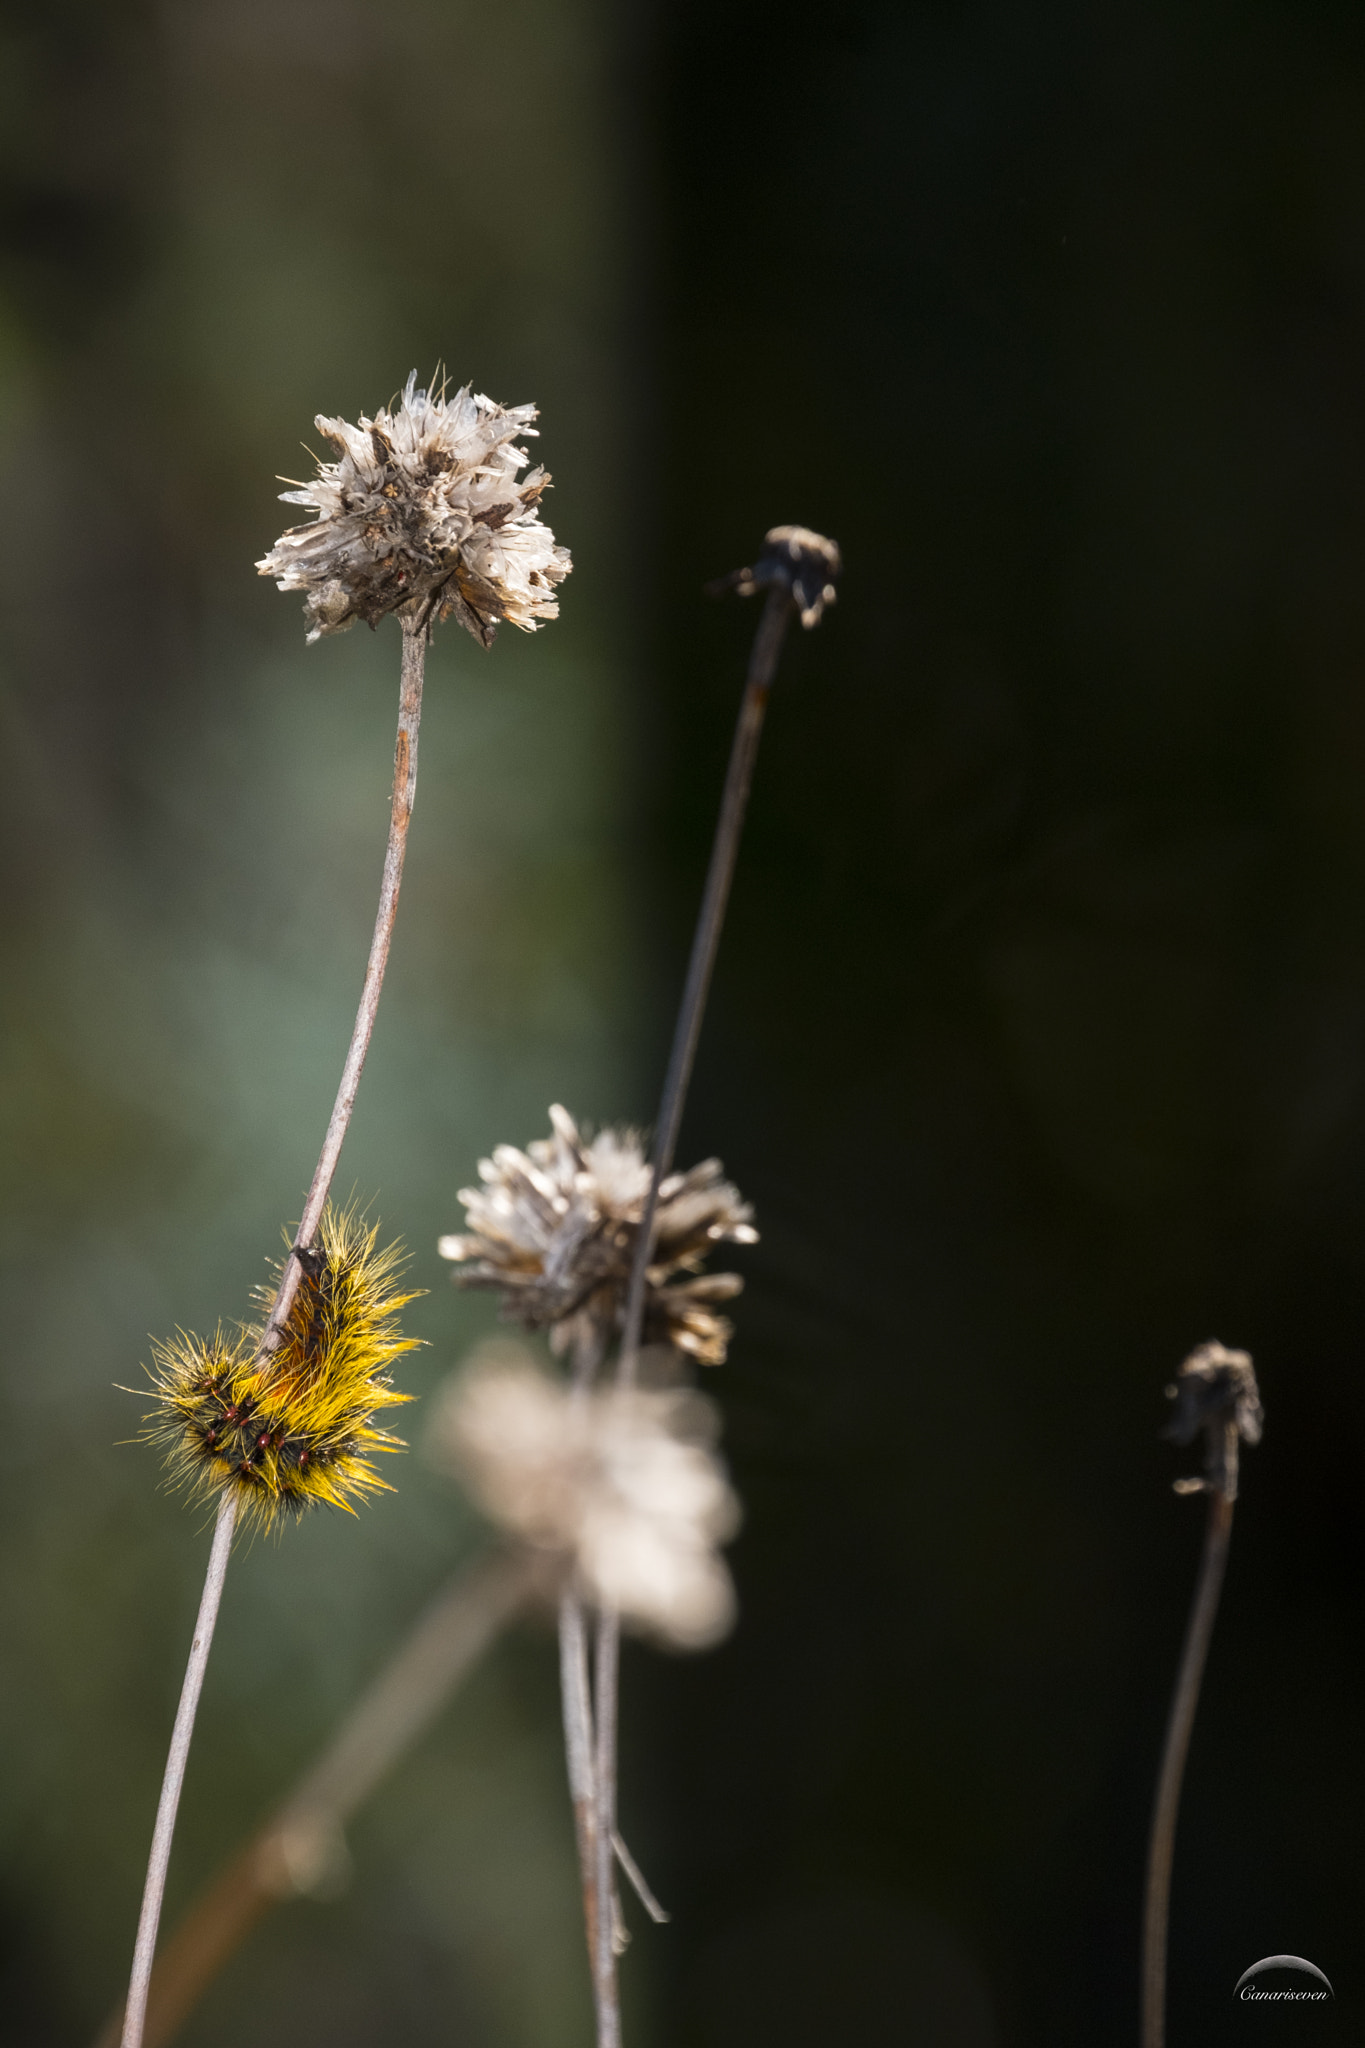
(763, 659)
(1184, 1701)
(772, 630)
(302, 1838)
(605, 1693)
(400, 815)
(135, 2008)
(576, 1697)
(578, 1754)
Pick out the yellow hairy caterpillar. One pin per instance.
(290, 1427)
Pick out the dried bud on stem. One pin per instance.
(422, 513)
(554, 1229)
(1216, 1392)
(794, 559)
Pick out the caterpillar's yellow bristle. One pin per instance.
(295, 1426)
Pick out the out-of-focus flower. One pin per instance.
(423, 513)
(624, 1484)
(553, 1228)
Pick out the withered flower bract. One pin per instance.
(1215, 1391)
(423, 512)
(795, 559)
(553, 1229)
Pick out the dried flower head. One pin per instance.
(423, 513)
(293, 1427)
(625, 1485)
(797, 560)
(553, 1228)
(1215, 1391)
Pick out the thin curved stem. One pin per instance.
(576, 1694)
(1184, 1701)
(400, 816)
(153, 1890)
(578, 1753)
(763, 659)
(607, 1673)
(772, 630)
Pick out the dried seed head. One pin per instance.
(1215, 1391)
(553, 1229)
(422, 513)
(624, 1485)
(797, 560)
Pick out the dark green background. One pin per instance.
(1039, 1031)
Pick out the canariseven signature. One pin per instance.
(1245, 1989)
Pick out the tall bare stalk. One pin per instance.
(149, 1919)
(1216, 1394)
(576, 1696)
(400, 816)
(796, 568)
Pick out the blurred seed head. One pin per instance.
(422, 513)
(624, 1485)
(553, 1229)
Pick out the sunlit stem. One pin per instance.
(153, 1891)
(400, 816)
(576, 1701)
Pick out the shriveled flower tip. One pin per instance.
(795, 559)
(1215, 1391)
(553, 1229)
(423, 513)
(1215, 1385)
(625, 1484)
